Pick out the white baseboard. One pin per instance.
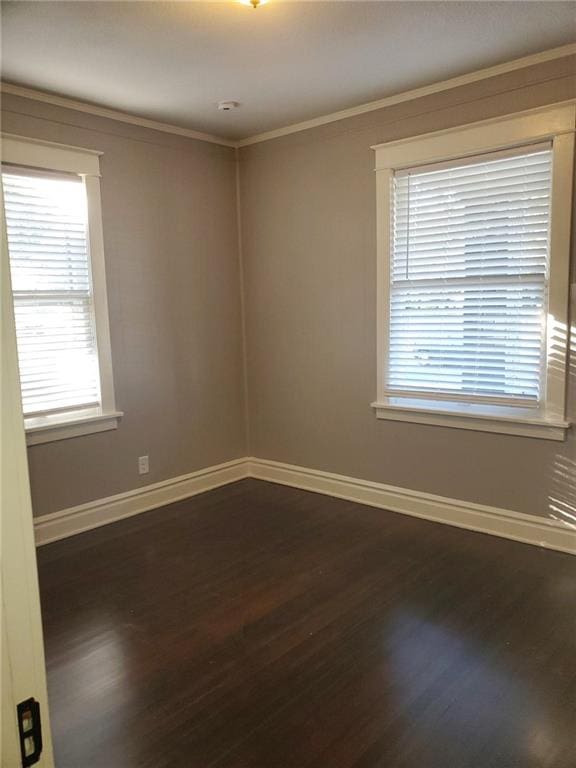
(505, 523)
(84, 517)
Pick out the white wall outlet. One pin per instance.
(143, 465)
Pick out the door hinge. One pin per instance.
(30, 731)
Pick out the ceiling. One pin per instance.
(284, 62)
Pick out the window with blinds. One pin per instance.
(46, 221)
(468, 281)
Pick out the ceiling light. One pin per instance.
(254, 3)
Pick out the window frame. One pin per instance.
(555, 124)
(62, 158)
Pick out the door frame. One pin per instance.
(23, 662)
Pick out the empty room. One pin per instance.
(288, 384)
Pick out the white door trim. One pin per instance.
(23, 664)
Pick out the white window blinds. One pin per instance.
(46, 220)
(468, 283)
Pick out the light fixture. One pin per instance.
(254, 3)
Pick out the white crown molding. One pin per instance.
(505, 523)
(111, 114)
(416, 93)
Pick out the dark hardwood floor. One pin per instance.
(258, 626)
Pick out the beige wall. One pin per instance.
(308, 220)
(309, 254)
(169, 210)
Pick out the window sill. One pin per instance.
(479, 420)
(46, 429)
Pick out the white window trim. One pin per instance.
(557, 124)
(19, 150)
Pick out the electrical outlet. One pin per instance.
(143, 465)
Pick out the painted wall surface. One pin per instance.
(170, 232)
(309, 265)
(309, 254)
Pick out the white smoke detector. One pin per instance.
(227, 106)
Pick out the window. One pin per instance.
(468, 278)
(474, 233)
(54, 238)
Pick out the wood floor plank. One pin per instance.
(260, 626)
